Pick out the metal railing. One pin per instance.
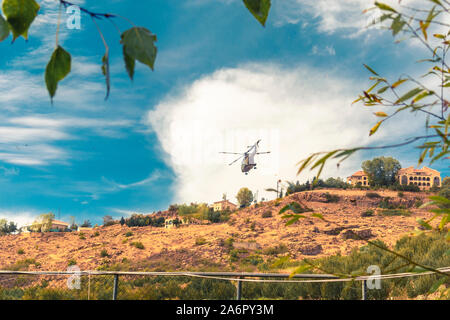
(238, 277)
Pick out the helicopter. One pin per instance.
(248, 161)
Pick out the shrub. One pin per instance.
(331, 197)
(386, 204)
(400, 194)
(104, 253)
(137, 245)
(418, 203)
(96, 234)
(72, 262)
(267, 214)
(396, 212)
(20, 251)
(367, 213)
(372, 195)
(82, 236)
(200, 241)
(273, 251)
(128, 234)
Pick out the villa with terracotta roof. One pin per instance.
(224, 205)
(358, 177)
(424, 178)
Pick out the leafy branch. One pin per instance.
(138, 42)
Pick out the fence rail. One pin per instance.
(238, 277)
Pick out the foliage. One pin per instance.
(108, 221)
(331, 198)
(137, 245)
(244, 197)
(381, 171)
(138, 43)
(104, 253)
(407, 93)
(7, 227)
(267, 214)
(139, 220)
(43, 223)
(367, 213)
(200, 241)
(372, 195)
(395, 212)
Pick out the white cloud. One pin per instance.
(22, 218)
(332, 16)
(294, 111)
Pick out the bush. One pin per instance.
(330, 198)
(20, 251)
(104, 253)
(367, 213)
(72, 262)
(267, 214)
(372, 195)
(200, 241)
(273, 251)
(400, 194)
(128, 234)
(82, 236)
(395, 212)
(137, 245)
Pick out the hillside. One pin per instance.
(205, 246)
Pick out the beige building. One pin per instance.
(224, 205)
(59, 226)
(424, 178)
(358, 177)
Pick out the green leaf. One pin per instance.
(424, 224)
(370, 69)
(4, 28)
(436, 285)
(318, 215)
(397, 25)
(384, 7)
(409, 95)
(259, 9)
(130, 64)
(302, 269)
(106, 73)
(20, 15)
(138, 44)
(57, 69)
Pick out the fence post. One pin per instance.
(239, 290)
(364, 289)
(116, 283)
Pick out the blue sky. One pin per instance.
(219, 76)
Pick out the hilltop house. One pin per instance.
(57, 226)
(224, 205)
(358, 177)
(424, 178)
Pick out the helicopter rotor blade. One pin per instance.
(236, 160)
(230, 153)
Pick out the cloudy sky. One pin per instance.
(221, 82)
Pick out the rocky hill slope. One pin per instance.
(252, 230)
